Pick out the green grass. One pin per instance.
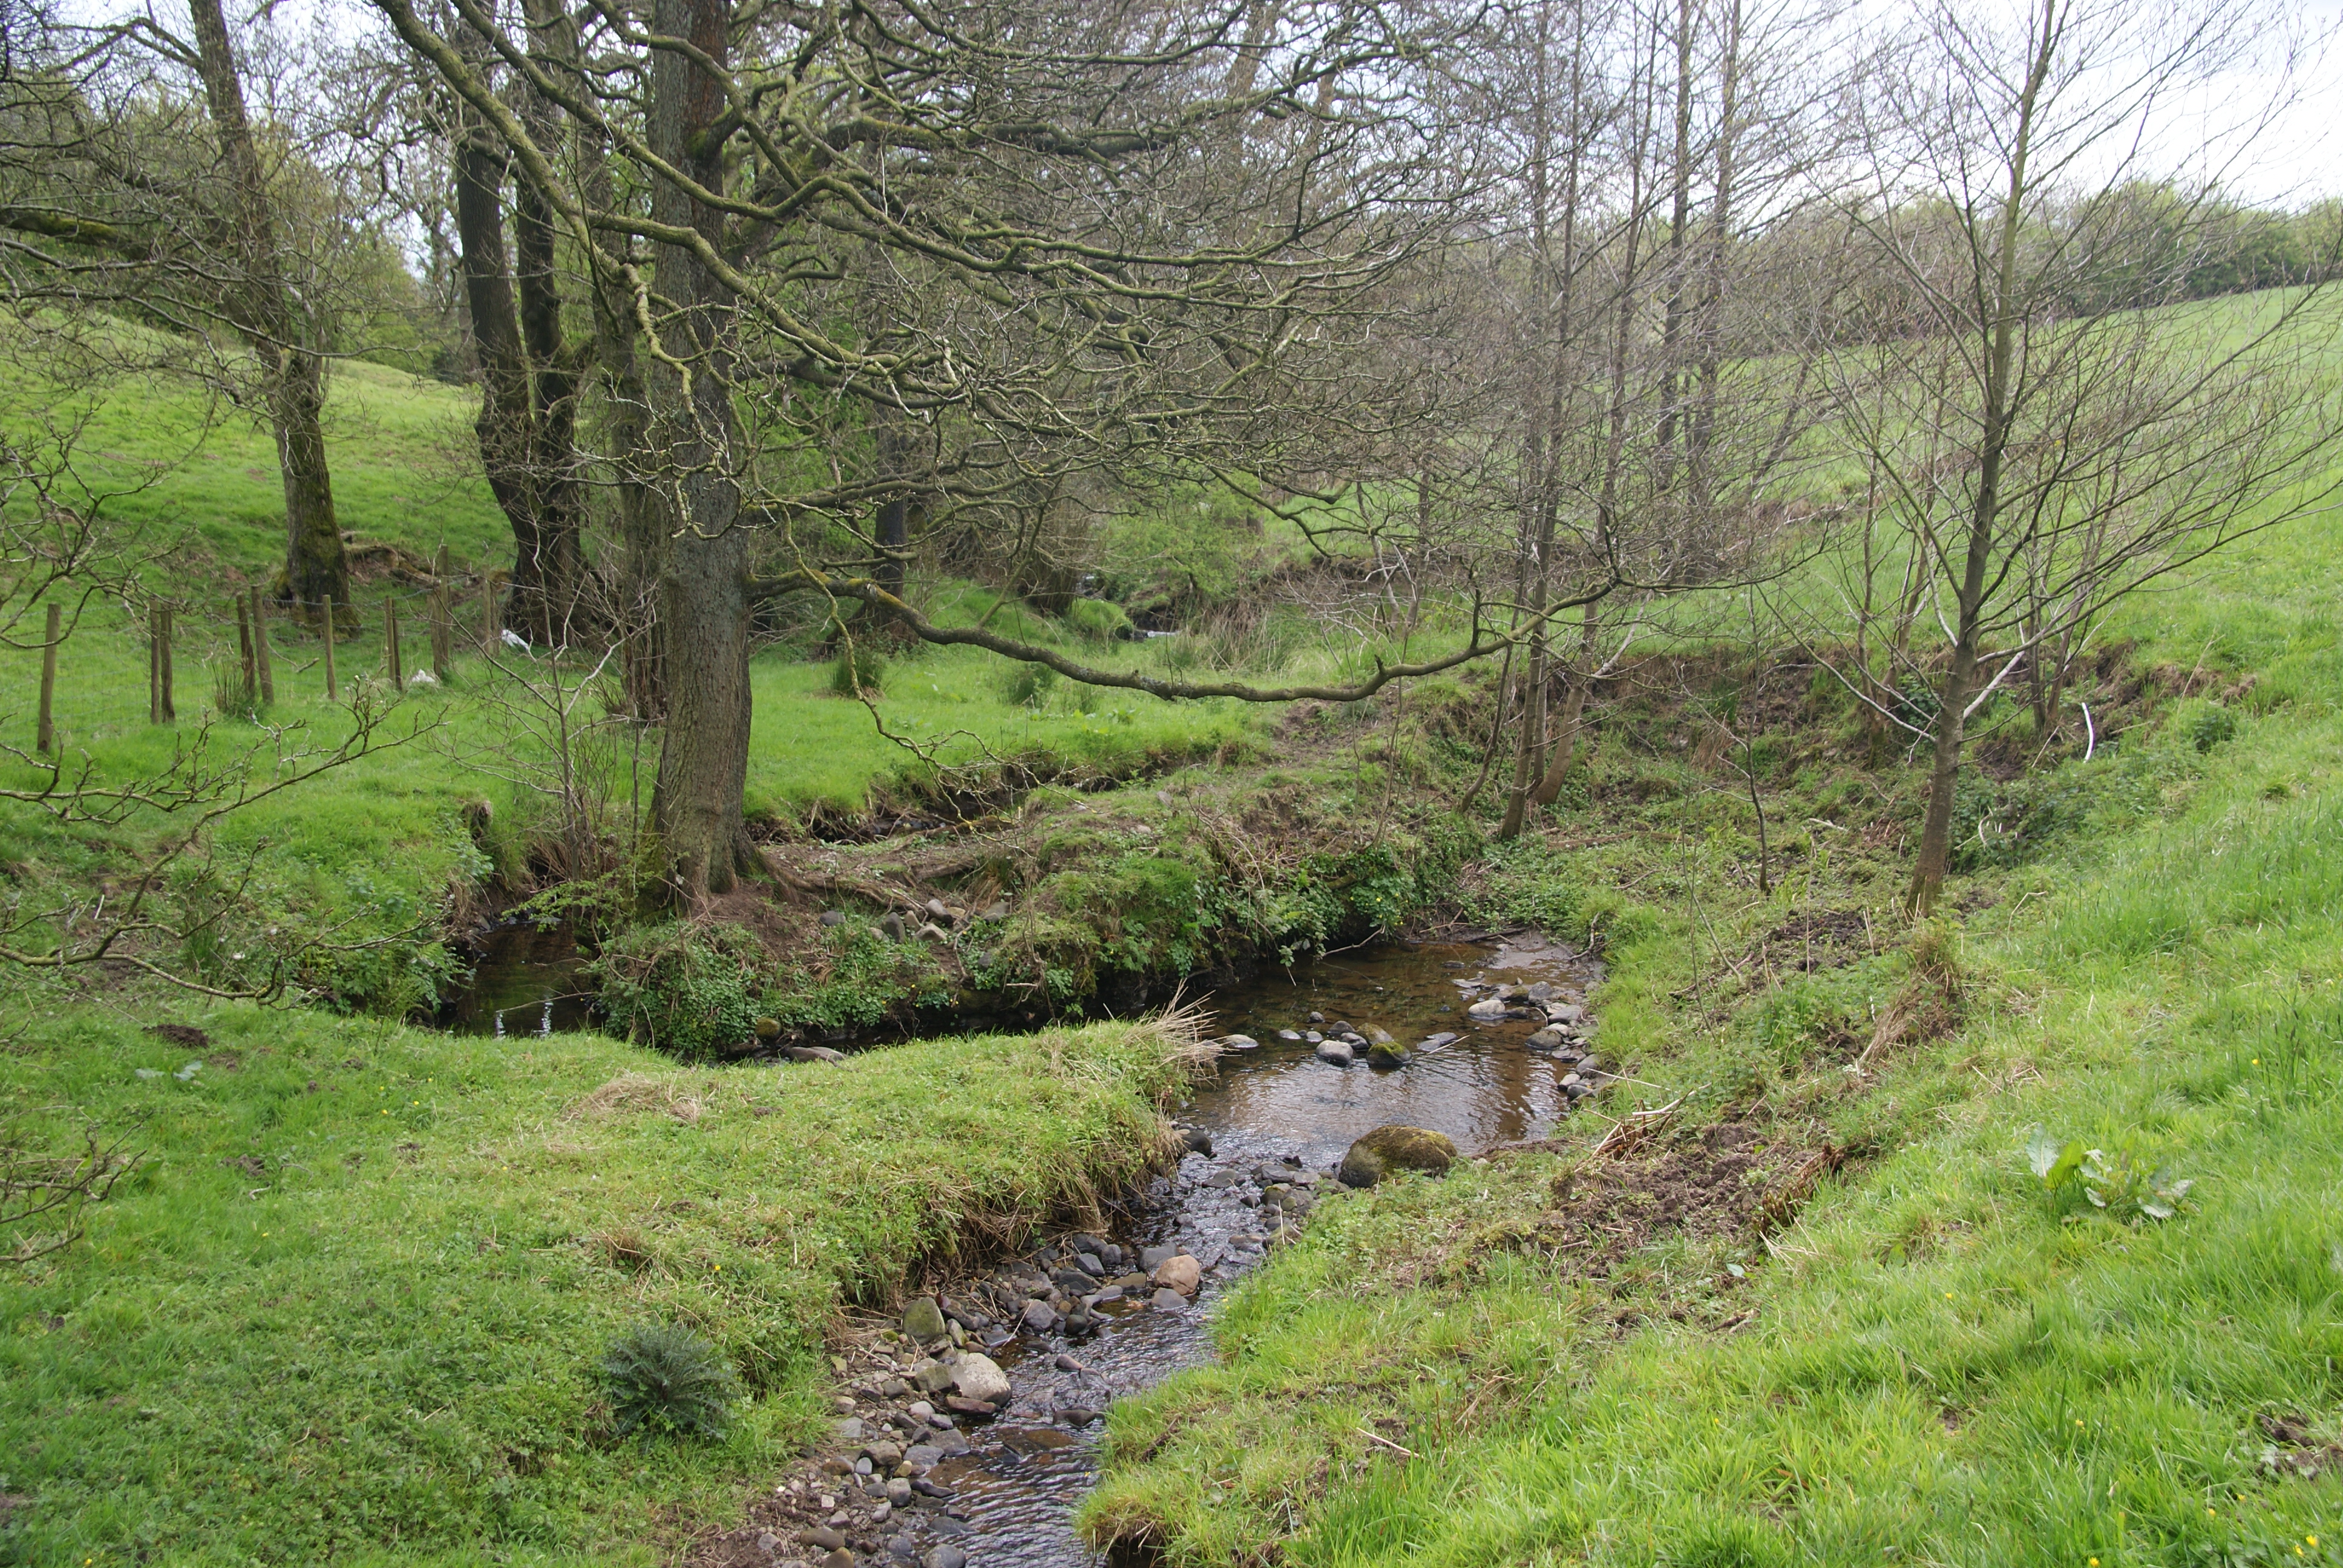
(350, 1305)
(1941, 1363)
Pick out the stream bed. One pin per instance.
(1001, 1493)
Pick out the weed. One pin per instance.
(690, 989)
(664, 1380)
(2121, 1185)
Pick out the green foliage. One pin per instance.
(869, 979)
(1027, 685)
(689, 989)
(2202, 724)
(663, 1379)
(1098, 620)
(860, 671)
(2121, 1185)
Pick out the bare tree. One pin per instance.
(2042, 427)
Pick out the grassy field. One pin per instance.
(349, 1306)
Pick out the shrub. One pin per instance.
(688, 989)
(860, 671)
(665, 1379)
(2203, 724)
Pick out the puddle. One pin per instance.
(525, 981)
(1276, 1114)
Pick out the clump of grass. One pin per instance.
(1028, 685)
(665, 1380)
(1098, 620)
(860, 672)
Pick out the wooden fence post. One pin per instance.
(443, 631)
(243, 646)
(488, 627)
(260, 646)
(160, 708)
(390, 643)
(333, 690)
(49, 732)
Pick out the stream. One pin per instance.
(1274, 1119)
(1278, 1120)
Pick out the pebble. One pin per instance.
(1167, 1298)
(1240, 1042)
(821, 1537)
(1067, 1363)
(1334, 1053)
(1289, 1034)
(1152, 1258)
(946, 1557)
(1038, 1318)
(1487, 1008)
(1311, 1037)
(1317, 1018)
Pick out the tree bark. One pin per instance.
(265, 310)
(703, 599)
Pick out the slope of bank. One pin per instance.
(1826, 1310)
(349, 1304)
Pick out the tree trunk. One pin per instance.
(265, 310)
(703, 603)
(549, 577)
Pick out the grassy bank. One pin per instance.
(1710, 1350)
(350, 1305)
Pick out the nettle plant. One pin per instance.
(2120, 1185)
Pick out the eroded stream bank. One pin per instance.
(1088, 1319)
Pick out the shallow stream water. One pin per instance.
(1278, 1108)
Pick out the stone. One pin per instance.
(1197, 1142)
(997, 911)
(950, 1443)
(1392, 1147)
(939, 912)
(1152, 1258)
(1564, 1012)
(1077, 1416)
(891, 927)
(1311, 1037)
(1239, 1043)
(1378, 1036)
(923, 1319)
(1180, 1272)
(932, 932)
(1073, 1282)
(1089, 1263)
(767, 1543)
(1544, 1039)
(1386, 1052)
(850, 1430)
(979, 1377)
(1334, 1053)
(969, 1409)
(1131, 1282)
(1317, 1018)
(945, 1525)
(883, 1454)
(815, 1053)
(902, 1548)
(923, 1456)
(834, 917)
(1167, 1298)
(1487, 1009)
(1063, 1362)
(919, 1410)
(1038, 1318)
(945, 1556)
(1540, 992)
(841, 1558)
(1289, 1034)
(899, 1492)
(926, 1488)
(1429, 1042)
(932, 1376)
(821, 1538)
(769, 1029)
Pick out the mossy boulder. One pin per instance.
(1396, 1148)
(1387, 1052)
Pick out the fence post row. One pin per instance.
(260, 645)
(47, 733)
